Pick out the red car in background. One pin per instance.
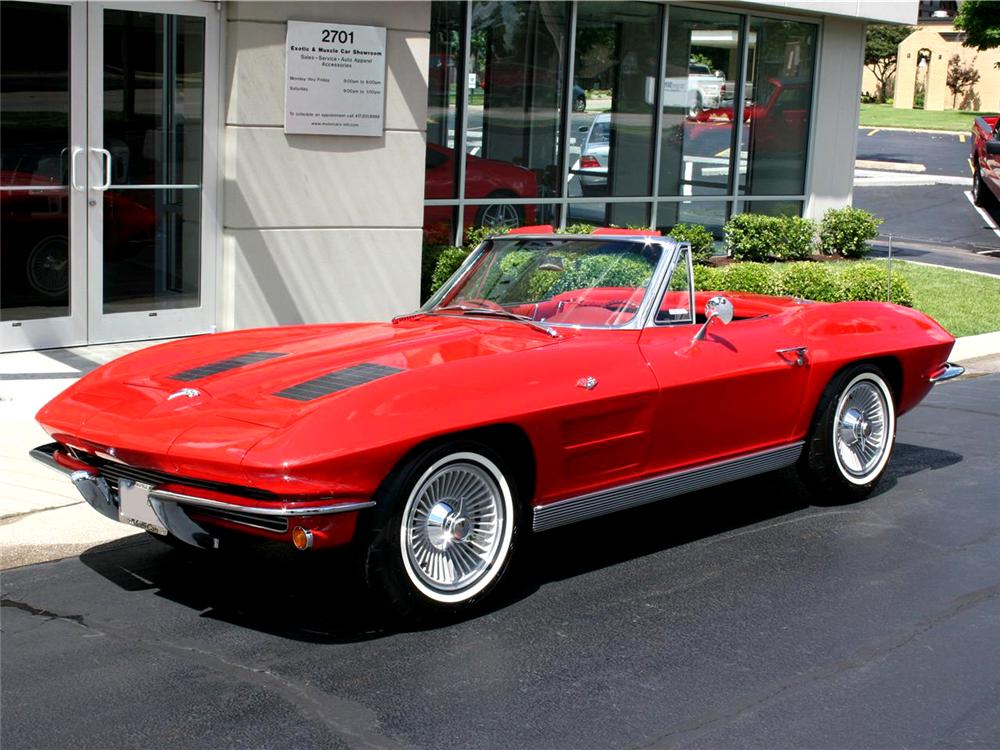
(488, 179)
(985, 159)
(780, 124)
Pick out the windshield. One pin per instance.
(588, 282)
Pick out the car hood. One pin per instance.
(189, 395)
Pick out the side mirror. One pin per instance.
(717, 307)
(582, 129)
(993, 147)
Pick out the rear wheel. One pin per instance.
(978, 194)
(500, 215)
(852, 436)
(444, 532)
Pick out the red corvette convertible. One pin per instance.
(555, 378)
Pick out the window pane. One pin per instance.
(617, 55)
(34, 162)
(773, 208)
(675, 306)
(509, 215)
(703, 65)
(609, 214)
(442, 99)
(518, 60)
(776, 129)
(710, 214)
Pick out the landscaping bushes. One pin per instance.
(702, 247)
(848, 232)
(760, 238)
(820, 282)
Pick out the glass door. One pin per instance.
(152, 131)
(43, 174)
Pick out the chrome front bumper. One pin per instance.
(948, 372)
(169, 506)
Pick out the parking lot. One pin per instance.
(742, 616)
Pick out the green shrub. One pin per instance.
(848, 232)
(707, 278)
(797, 235)
(751, 237)
(702, 241)
(579, 228)
(428, 263)
(755, 278)
(867, 281)
(759, 238)
(448, 262)
(815, 281)
(474, 236)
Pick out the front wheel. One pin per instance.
(852, 436)
(444, 532)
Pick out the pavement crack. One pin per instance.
(13, 517)
(44, 613)
(861, 659)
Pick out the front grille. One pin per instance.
(338, 380)
(214, 368)
(112, 471)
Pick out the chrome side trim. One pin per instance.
(949, 372)
(661, 487)
(202, 502)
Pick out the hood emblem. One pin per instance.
(186, 392)
(589, 382)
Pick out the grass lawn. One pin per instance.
(964, 303)
(884, 115)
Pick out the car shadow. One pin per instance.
(320, 597)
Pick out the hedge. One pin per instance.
(702, 241)
(760, 238)
(847, 232)
(822, 282)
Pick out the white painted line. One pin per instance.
(961, 137)
(874, 131)
(889, 166)
(984, 213)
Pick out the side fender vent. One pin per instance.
(338, 380)
(214, 368)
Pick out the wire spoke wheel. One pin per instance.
(861, 434)
(455, 529)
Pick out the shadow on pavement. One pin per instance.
(320, 597)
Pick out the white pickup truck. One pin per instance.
(699, 89)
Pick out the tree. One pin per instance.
(960, 77)
(881, 45)
(980, 20)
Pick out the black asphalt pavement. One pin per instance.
(737, 617)
(940, 153)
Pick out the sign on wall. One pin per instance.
(334, 79)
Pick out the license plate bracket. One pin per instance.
(135, 509)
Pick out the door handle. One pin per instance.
(107, 169)
(801, 354)
(72, 169)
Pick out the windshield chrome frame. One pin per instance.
(654, 289)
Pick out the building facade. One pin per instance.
(150, 187)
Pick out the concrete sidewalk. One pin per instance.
(43, 518)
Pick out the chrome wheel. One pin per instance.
(500, 215)
(863, 428)
(456, 527)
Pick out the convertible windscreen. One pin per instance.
(585, 282)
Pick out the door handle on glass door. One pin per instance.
(107, 169)
(77, 150)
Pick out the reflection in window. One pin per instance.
(776, 119)
(703, 69)
(518, 67)
(442, 95)
(774, 208)
(617, 54)
(710, 214)
(609, 214)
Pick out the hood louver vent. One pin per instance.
(214, 368)
(339, 380)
